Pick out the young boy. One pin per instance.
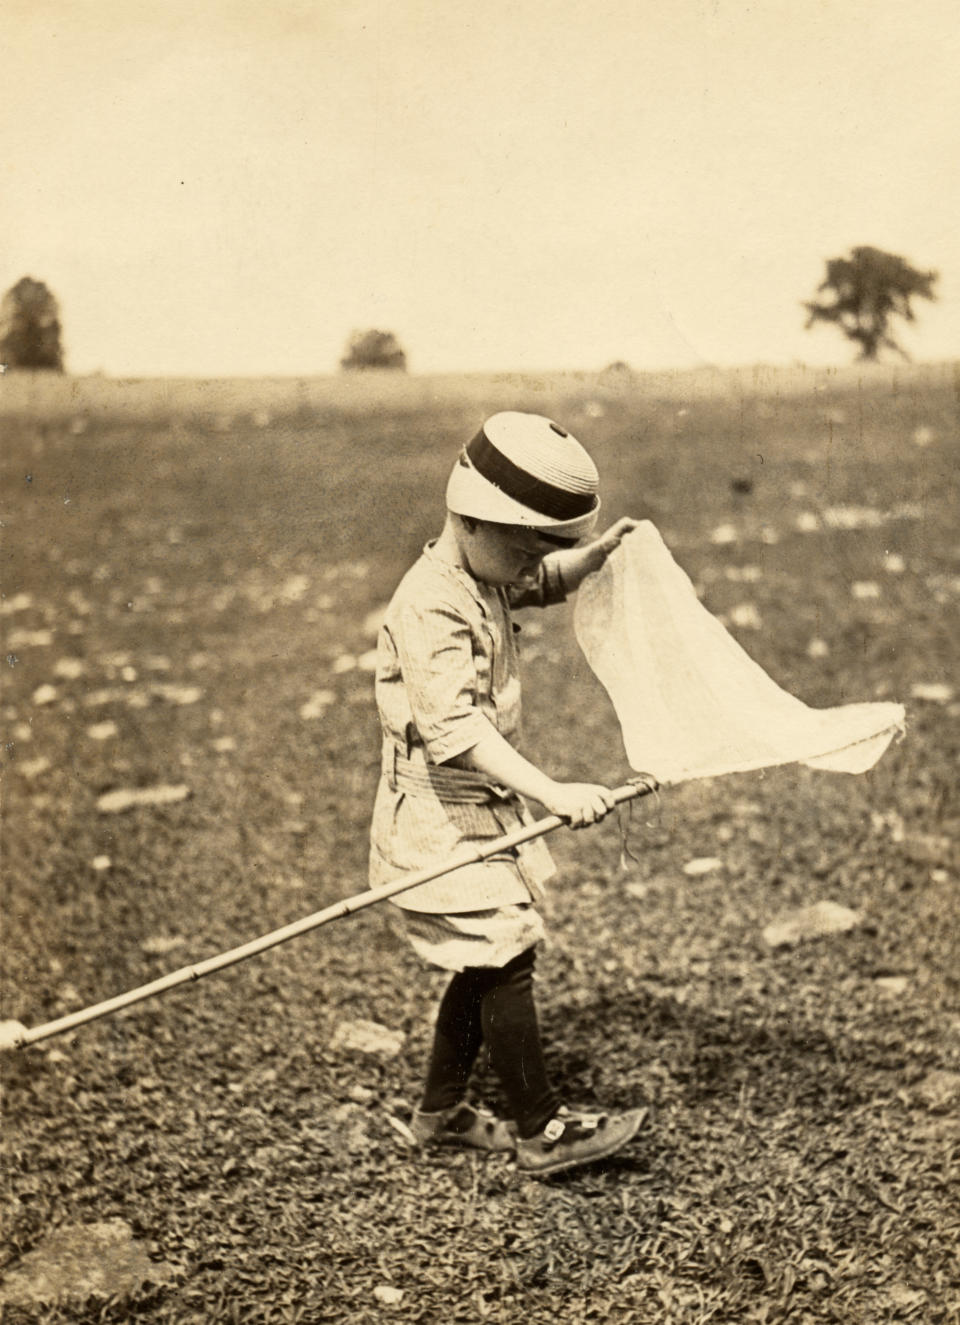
(521, 496)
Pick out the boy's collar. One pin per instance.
(476, 586)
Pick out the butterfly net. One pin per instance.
(691, 702)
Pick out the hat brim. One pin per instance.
(469, 493)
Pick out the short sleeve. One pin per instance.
(434, 647)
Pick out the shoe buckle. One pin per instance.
(553, 1131)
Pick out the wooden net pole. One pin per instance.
(469, 855)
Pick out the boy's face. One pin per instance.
(503, 554)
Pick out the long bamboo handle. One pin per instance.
(467, 856)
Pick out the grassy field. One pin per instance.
(191, 578)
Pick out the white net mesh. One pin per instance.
(690, 701)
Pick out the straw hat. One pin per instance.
(524, 469)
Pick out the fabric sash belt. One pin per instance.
(457, 786)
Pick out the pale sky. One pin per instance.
(219, 187)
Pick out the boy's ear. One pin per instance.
(469, 523)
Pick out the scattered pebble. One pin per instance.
(387, 1295)
(317, 705)
(23, 732)
(367, 662)
(806, 523)
(702, 865)
(932, 692)
(102, 731)
(744, 574)
(852, 517)
(115, 802)
(347, 570)
(345, 663)
(923, 435)
(79, 1261)
(892, 984)
(890, 821)
(810, 922)
(863, 590)
(161, 944)
(20, 602)
(29, 639)
(101, 863)
(893, 563)
(175, 694)
(939, 1089)
(69, 668)
(32, 768)
(224, 744)
(818, 648)
(293, 589)
(368, 1037)
(746, 810)
(45, 694)
(107, 695)
(746, 616)
(723, 535)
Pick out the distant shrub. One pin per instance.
(30, 327)
(373, 349)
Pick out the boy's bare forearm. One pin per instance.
(576, 564)
(580, 803)
(497, 759)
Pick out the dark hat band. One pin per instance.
(555, 503)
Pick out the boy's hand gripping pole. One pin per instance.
(15, 1036)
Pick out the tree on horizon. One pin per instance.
(30, 331)
(866, 290)
(373, 349)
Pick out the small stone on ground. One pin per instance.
(810, 922)
(368, 1037)
(79, 1261)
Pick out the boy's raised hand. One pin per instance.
(579, 562)
(580, 803)
(610, 539)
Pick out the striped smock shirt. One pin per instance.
(448, 671)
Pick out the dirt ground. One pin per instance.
(191, 582)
